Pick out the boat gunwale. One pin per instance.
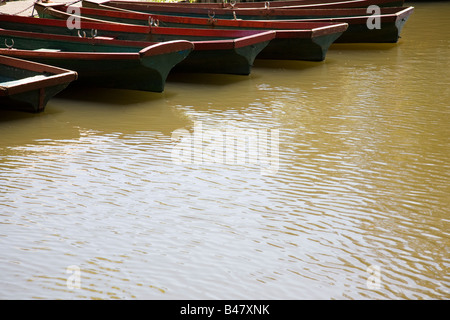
(57, 76)
(120, 27)
(255, 11)
(388, 14)
(406, 12)
(263, 5)
(246, 38)
(146, 49)
(111, 26)
(316, 29)
(384, 18)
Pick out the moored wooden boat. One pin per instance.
(293, 40)
(100, 62)
(361, 24)
(292, 4)
(28, 86)
(215, 51)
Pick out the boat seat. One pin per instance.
(105, 38)
(22, 81)
(47, 50)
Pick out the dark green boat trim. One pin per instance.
(293, 41)
(98, 62)
(221, 45)
(392, 19)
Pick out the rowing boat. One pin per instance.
(293, 40)
(292, 4)
(384, 27)
(28, 86)
(215, 51)
(100, 62)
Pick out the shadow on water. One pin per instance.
(12, 115)
(206, 79)
(87, 109)
(110, 97)
(363, 46)
(223, 80)
(98, 97)
(287, 64)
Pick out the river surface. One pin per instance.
(114, 194)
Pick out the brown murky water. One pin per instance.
(100, 200)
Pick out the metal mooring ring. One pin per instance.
(9, 46)
(153, 22)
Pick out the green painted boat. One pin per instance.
(361, 29)
(100, 62)
(28, 86)
(293, 40)
(215, 51)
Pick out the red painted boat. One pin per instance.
(215, 51)
(239, 13)
(292, 4)
(390, 21)
(293, 40)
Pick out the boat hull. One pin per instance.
(98, 63)
(292, 4)
(305, 49)
(224, 54)
(236, 60)
(31, 101)
(305, 41)
(390, 21)
(107, 72)
(28, 86)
